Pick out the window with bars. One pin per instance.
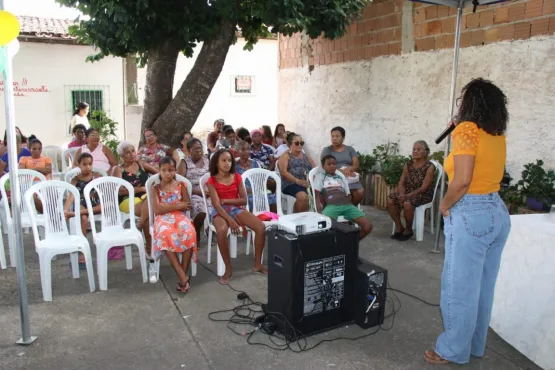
(96, 96)
(242, 85)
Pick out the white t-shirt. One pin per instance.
(77, 119)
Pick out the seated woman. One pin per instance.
(245, 163)
(294, 167)
(85, 164)
(136, 172)
(267, 137)
(102, 156)
(214, 136)
(23, 138)
(279, 135)
(21, 152)
(414, 189)
(35, 161)
(193, 168)
(331, 189)
(181, 153)
(151, 152)
(229, 196)
(78, 136)
(173, 231)
(347, 162)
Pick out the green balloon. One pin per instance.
(3, 58)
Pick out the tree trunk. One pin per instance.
(182, 112)
(160, 73)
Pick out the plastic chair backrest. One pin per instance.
(67, 158)
(52, 196)
(26, 181)
(439, 168)
(257, 178)
(154, 180)
(107, 189)
(55, 153)
(312, 177)
(202, 184)
(76, 171)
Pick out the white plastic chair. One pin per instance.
(26, 180)
(55, 153)
(154, 180)
(420, 211)
(3, 263)
(113, 233)
(67, 159)
(212, 230)
(57, 239)
(258, 181)
(68, 176)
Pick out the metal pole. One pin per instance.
(26, 337)
(456, 49)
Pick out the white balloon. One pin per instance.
(13, 48)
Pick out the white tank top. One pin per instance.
(99, 158)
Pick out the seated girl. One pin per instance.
(229, 196)
(336, 197)
(35, 161)
(85, 163)
(173, 232)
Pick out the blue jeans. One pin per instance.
(475, 233)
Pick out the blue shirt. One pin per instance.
(263, 155)
(24, 153)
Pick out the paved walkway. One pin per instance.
(150, 326)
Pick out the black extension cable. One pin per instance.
(254, 314)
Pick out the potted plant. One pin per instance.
(538, 186)
(366, 165)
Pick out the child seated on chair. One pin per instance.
(228, 196)
(35, 161)
(85, 162)
(173, 231)
(330, 188)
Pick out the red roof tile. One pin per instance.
(45, 27)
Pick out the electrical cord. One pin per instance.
(389, 287)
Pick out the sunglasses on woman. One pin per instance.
(297, 143)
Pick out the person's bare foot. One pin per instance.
(433, 358)
(260, 269)
(224, 280)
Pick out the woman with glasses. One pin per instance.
(294, 167)
(193, 167)
(151, 151)
(103, 158)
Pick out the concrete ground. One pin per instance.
(151, 326)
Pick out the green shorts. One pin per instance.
(348, 211)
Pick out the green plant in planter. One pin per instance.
(366, 163)
(383, 152)
(512, 197)
(106, 129)
(538, 183)
(437, 156)
(392, 169)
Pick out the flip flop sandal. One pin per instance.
(397, 235)
(224, 281)
(184, 288)
(405, 237)
(263, 271)
(433, 358)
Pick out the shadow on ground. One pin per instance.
(151, 326)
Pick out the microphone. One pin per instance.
(447, 131)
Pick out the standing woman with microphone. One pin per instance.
(476, 223)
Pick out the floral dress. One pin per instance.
(173, 231)
(153, 156)
(414, 180)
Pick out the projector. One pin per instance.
(304, 223)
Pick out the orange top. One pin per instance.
(31, 163)
(489, 151)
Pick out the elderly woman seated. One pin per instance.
(414, 189)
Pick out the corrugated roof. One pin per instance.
(45, 27)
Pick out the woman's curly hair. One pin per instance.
(484, 104)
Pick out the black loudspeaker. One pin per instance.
(370, 295)
(310, 280)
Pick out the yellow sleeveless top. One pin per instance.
(490, 153)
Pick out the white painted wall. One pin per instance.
(406, 98)
(248, 111)
(48, 114)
